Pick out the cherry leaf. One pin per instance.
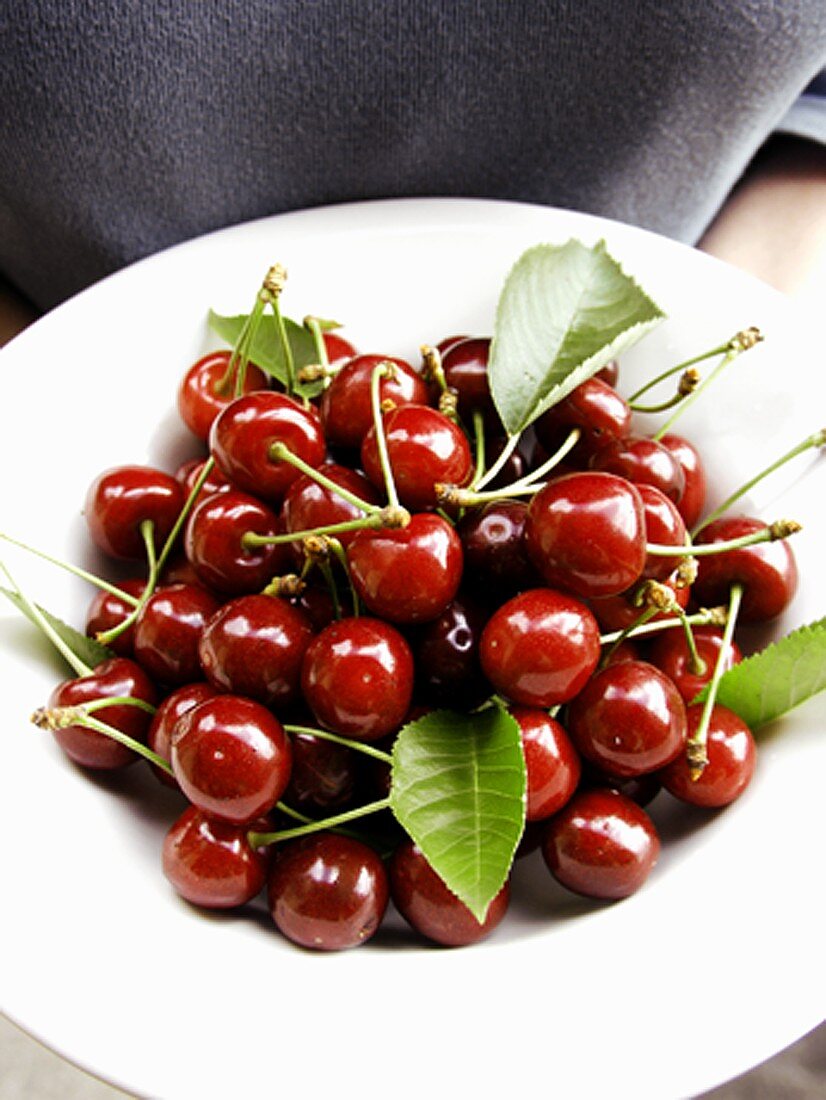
(781, 676)
(86, 649)
(563, 313)
(458, 789)
(267, 352)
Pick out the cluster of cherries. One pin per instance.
(326, 570)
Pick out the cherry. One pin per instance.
(201, 396)
(254, 646)
(446, 655)
(465, 366)
(168, 629)
(324, 775)
(231, 758)
(346, 409)
(641, 789)
(243, 434)
(731, 760)
(327, 892)
(120, 500)
(767, 571)
(601, 845)
(308, 505)
(407, 574)
(424, 448)
(173, 707)
(357, 678)
(213, 540)
(585, 532)
(540, 647)
(211, 863)
(664, 526)
(513, 469)
(670, 653)
(629, 719)
(338, 349)
(188, 474)
(552, 764)
(107, 611)
(643, 461)
(431, 908)
(609, 373)
(621, 611)
(594, 407)
(692, 502)
(116, 677)
(496, 558)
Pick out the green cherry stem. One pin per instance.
(432, 370)
(99, 582)
(273, 286)
(313, 326)
(689, 382)
(252, 540)
(260, 840)
(772, 532)
(817, 439)
(382, 370)
(711, 616)
(337, 739)
(721, 349)
(340, 554)
(280, 452)
(56, 718)
(510, 446)
(564, 449)
(34, 613)
(479, 445)
(119, 701)
(147, 529)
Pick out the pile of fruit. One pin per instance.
(384, 638)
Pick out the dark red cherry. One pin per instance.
(594, 407)
(540, 648)
(120, 500)
(669, 652)
(346, 409)
(213, 540)
(731, 761)
(338, 349)
(424, 449)
(201, 396)
(609, 373)
(551, 761)
(643, 461)
(767, 571)
(408, 574)
(465, 366)
(585, 532)
(446, 655)
(254, 646)
(107, 611)
(114, 678)
(324, 775)
(244, 432)
(641, 789)
(357, 678)
(601, 845)
(211, 863)
(308, 505)
(327, 892)
(496, 558)
(692, 502)
(629, 719)
(168, 629)
(618, 612)
(431, 908)
(664, 526)
(231, 758)
(190, 471)
(173, 707)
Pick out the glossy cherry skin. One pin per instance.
(168, 629)
(190, 471)
(346, 409)
(601, 845)
(162, 726)
(465, 366)
(585, 533)
(664, 526)
(199, 399)
(116, 677)
(308, 505)
(424, 449)
(231, 758)
(212, 863)
(628, 720)
(324, 775)
(446, 655)
(254, 646)
(693, 500)
(408, 574)
(121, 499)
(618, 612)
(327, 892)
(431, 908)
(357, 678)
(767, 571)
(731, 761)
(496, 558)
(338, 349)
(551, 761)
(643, 461)
(107, 611)
(594, 407)
(540, 647)
(669, 652)
(213, 540)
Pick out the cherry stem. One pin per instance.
(99, 582)
(780, 529)
(119, 701)
(327, 573)
(296, 815)
(60, 717)
(689, 381)
(817, 439)
(260, 840)
(39, 619)
(711, 616)
(721, 349)
(340, 554)
(314, 326)
(382, 370)
(525, 486)
(147, 529)
(510, 446)
(337, 739)
(566, 447)
(646, 614)
(251, 540)
(479, 442)
(289, 362)
(432, 370)
(697, 745)
(280, 452)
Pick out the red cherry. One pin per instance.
(446, 655)
(199, 401)
(496, 557)
(346, 409)
(643, 461)
(308, 505)
(585, 532)
(327, 892)
(408, 574)
(594, 407)
(338, 349)
(324, 775)
(552, 764)
(107, 611)
(211, 863)
(731, 760)
(692, 502)
(357, 678)
(213, 540)
(465, 366)
(190, 471)
(173, 707)
(431, 908)
(168, 629)
(663, 526)
(618, 612)
(601, 845)
(120, 500)
(231, 758)
(670, 653)
(540, 648)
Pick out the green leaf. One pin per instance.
(89, 651)
(267, 352)
(458, 789)
(564, 312)
(781, 676)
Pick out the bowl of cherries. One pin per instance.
(408, 647)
